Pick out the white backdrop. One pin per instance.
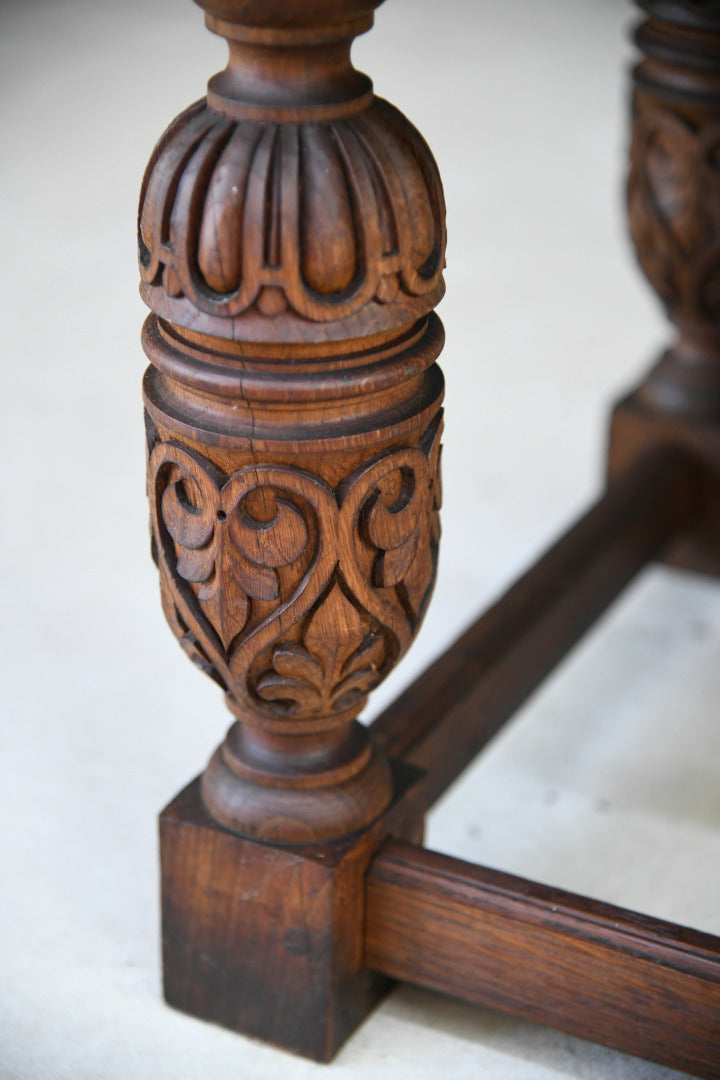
(607, 783)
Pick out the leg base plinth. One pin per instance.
(268, 940)
(636, 428)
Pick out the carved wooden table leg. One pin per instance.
(291, 248)
(674, 203)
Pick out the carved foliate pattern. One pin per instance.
(298, 599)
(318, 218)
(326, 673)
(674, 204)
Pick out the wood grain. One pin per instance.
(291, 243)
(262, 939)
(447, 715)
(674, 216)
(634, 983)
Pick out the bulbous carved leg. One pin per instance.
(674, 209)
(291, 237)
(296, 571)
(674, 197)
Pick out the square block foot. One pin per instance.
(263, 939)
(634, 430)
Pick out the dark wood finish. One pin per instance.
(634, 983)
(291, 242)
(674, 196)
(265, 939)
(634, 431)
(452, 710)
(674, 210)
(291, 239)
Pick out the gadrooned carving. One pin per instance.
(296, 598)
(318, 219)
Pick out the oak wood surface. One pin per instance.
(291, 240)
(638, 984)
(291, 243)
(451, 711)
(268, 939)
(674, 216)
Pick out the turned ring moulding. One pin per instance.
(291, 241)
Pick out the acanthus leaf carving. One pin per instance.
(357, 566)
(336, 666)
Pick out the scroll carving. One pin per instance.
(291, 237)
(674, 201)
(674, 198)
(296, 597)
